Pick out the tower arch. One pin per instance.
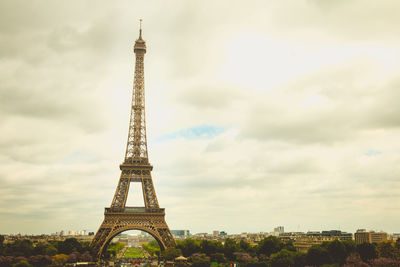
(129, 228)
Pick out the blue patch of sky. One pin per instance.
(372, 153)
(198, 132)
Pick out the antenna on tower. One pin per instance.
(140, 33)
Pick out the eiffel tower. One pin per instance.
(135, 168)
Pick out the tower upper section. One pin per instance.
(140, 44)
(136, 148)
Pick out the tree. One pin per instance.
(218, 257)
(40, 260)
(188, 247)
(367, 251)
(269, 245)
(384, 262)
(350, 247)
(73, 257)
(1, 244)
(354, 260)
(242, 257)
(22, 264)
(300, 259)
(282, 258)
(289, 246)
(337, 251)
(230, 247)
(19, 248)
(244, 246)
(386, 250)
(200, 260)
(210, 247)
(86, 257)
(153, 248)
(171, 253)
(59, 259)
(317, 256)
(69, 245)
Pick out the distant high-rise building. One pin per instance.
(279, 229)
(223, 233)
(180, 233)
(215, 233)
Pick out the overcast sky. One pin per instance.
(259, 113)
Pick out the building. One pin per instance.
(303, 243)
(223, 233)
(279, 229)
(362, 236)
(395, 236)
(339, 234)
(378, 237)
(180, 233)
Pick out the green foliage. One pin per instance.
(40, 254)
(350, 247)
(22, 264)
(133, 253)
(200, 260)
(230, 247)
(386, 250)
(337, 251)
(171, 253)
(269, 245)
(300, 259)
(44, 249)
(286, 258)
(69, 245)
(59, 259)
(289, 246)
(244, 246)
(367, 251)
(152, 248)
(218, 257)
(354, 260)
(189, 247)
(282, 258)
(115, 248)
(317, 256)
(210, 247)
(19, 248)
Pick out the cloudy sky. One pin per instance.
(259, 113)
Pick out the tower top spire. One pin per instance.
(140, 44)
(140, 32)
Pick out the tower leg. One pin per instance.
(118, 222)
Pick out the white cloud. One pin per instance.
(304, 93)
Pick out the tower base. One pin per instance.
(116, 221)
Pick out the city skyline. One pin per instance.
(258, 115)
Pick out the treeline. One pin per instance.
(272, 252)
(52, 253)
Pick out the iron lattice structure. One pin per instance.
(135, 168)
